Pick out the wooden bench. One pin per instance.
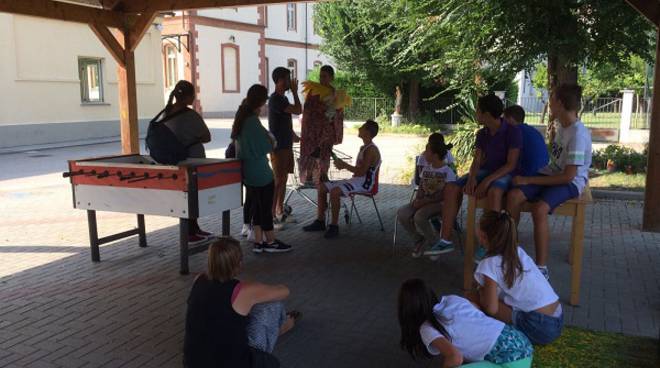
(573, 208)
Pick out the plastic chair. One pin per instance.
(371, 194)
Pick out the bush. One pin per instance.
(623, 158)
(463, 139)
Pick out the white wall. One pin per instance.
(214, 101)
(243, 14)
(277, 26)
(42, 79)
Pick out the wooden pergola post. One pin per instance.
(650, 9)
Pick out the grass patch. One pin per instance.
(617, 181)
(582, 348)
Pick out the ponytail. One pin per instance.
(257, 96)
(181, 90)
(502, 234)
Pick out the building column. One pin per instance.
(626, 116)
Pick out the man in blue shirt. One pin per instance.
(534, 152)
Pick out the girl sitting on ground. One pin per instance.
(511, 287)
(415, 216)
(458, 331)
(232, 323)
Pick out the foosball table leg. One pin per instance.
(93, 236)
(225, 223)
(183, 246)
(142, 233)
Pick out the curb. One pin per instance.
(617, 194)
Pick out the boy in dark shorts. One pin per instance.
(564, 178)
(280, 124)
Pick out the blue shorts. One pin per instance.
(552, 195)
(539, 328)
(503, 183)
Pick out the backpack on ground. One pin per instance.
(162, 144)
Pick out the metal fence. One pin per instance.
(602, 112)
(641, 115)
(363, 108)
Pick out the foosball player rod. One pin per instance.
(68, 174)
(130, 175)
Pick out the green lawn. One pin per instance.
(617, 181)
(599, 120)
(584, 349)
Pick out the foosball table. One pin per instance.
(137, 184)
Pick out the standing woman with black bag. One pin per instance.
(190, 129)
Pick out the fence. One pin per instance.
(363, 108)
(602, 112)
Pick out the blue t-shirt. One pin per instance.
(495, 148)
(534, 153)
(279, 121)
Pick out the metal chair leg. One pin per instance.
(354, 207)
(382, 228)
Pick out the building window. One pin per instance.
(91, 80)
(231, 71)
(171, 66)
(292, 65)
(291, 17)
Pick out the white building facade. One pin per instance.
(225, 51)
(57, 92)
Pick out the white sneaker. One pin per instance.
(245, 230)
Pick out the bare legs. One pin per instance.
(452, 198)
(335, 198)
(280, 192)
(540, 210)
(260, 234)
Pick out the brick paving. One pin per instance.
(58, 309)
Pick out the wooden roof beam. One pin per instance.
(170, 5)
(650, 9)
(62, 11)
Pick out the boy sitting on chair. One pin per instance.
(566, 175)
(415, 216)
(364, 178)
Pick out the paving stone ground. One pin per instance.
(58, 309)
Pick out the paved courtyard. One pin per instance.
(58, 309)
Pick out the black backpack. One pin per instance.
(163, 146)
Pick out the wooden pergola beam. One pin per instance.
(139, 28)
(109, 41)
(171, 5)
(62, 11)
(650, 9)
(651, 217)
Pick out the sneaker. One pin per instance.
(258, 248)
(317, 225)
(332, 232)
(440, 247)
(196, 239)
(288, 210)
(418, 250)
(205, 234)
(245, 230)
(479, 254)
(544, 272)
(277, 247)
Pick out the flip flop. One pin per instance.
(295, 315)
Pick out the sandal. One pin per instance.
(295, 315)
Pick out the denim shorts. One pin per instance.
(503, 183)
(540, 328)
(553, 195)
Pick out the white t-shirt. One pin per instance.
(433, 179)
(572, 146)
(530, 291)
(421, 161)
(471, 331)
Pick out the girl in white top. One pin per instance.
(454, 328)
(512, 289)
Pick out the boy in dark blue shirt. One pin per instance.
(280, 124)
(534, 152)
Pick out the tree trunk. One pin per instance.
(560, 71)
(413, 98)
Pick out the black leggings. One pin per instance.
(260, 202)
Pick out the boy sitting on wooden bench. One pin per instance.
(564, 178)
